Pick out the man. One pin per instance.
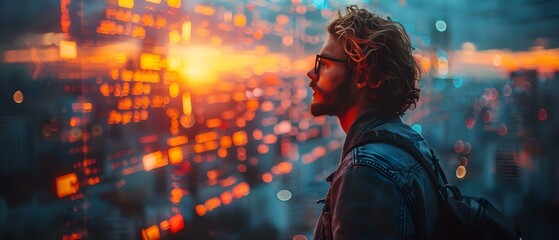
(366, 76)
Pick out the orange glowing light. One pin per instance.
(226, 198)
(126, 3)
(176, 222)
(176, 195)
(461, 172)
(68, 49)
(212, 203)
(174, 37)
(18, 97)
(222, 152)
(213, 122)
(82, 107)
(67, 185)
(204, 9)
(139, 31)
(211, 145)
(228, 181)
(186, 103)
(151, 233)
(150, 61)
(225, 142)
(175, 155)
(241, 168)
(270, 139)
(201, 210)
(258, 35)
(174, 3)
(176, 141)
(282, 19)
(241, 190)
(263, 148)
(240, 138)
(174, 89)
(186, 31)
(212, 174)
(154, 160)
(173, 63)
(204, 137)
(252, 105)
(267, 177)
(239, 20)
(154, 1)
(160, 22)
(165, 225)
(282, 168)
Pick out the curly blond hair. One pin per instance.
(380, 53)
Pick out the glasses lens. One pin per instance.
(316, 64)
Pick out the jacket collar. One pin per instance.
(363, 124)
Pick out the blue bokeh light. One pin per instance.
(458, 81)
(418, 128)
(440, 25)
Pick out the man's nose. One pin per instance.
(312, 75)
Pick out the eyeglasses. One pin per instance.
(320, 57)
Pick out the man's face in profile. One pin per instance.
(330, 80)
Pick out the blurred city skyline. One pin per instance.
(170, 119)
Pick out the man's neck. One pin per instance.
(347, 118)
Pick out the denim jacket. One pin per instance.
(379, 191)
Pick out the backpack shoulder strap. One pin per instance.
(384, 136)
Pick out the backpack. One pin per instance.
(460, 217)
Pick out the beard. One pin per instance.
(332, 103)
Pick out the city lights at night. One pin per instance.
(178, 119)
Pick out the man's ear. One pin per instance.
(360, 82)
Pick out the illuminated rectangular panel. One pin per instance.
(68, 50)
(150, 61)
(151, 233)
(154, 160)
(174, 3)
(67, 185)
(154, 1)
(126, 3)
